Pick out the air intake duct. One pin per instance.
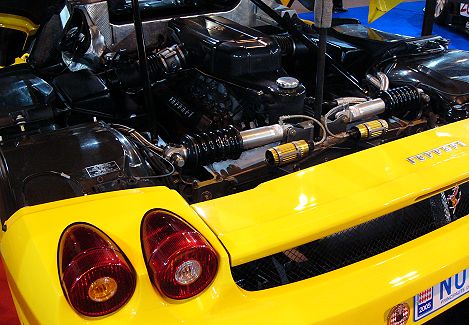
(286, 43)
(161, 64)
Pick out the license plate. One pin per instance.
(464, 9)
(438, 296)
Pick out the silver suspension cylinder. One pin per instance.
(263, 135)
(362, 110)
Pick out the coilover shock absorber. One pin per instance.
(395, 101)
(209, 147)
(401, 99)
(213, 146)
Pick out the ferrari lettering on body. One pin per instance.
(430, 154)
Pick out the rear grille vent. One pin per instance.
(354, 244)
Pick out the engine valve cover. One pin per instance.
(75, 161)
(224, 48)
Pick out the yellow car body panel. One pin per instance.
(330, 197)
(20, 60)
(361, 293)
(21, 24)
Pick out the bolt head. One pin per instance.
(178, 160)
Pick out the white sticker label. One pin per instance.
(438, 296)
(102, 169)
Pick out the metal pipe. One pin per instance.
(373, 81)
(143, 63)
(323, 21)
(321, 63)
(428, 17)
(383, 81)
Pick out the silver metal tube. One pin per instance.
(373, 80)
(350, 100)
(383, 81)
(261, 136)
(362, 110)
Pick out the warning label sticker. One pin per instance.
(102, 169)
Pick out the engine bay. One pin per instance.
(214, 107)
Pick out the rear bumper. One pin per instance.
(362, 293)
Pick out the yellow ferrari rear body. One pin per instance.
(274, 217)
(20, 24)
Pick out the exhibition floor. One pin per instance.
(409, 16)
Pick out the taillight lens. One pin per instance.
(180, 261)
(96, 277)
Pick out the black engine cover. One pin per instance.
(224, 48)
(24, 98)
(444, 76)
(85, 159)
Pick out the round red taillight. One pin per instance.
(96, 277)
(180, 261)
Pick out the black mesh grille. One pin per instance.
(354, 244)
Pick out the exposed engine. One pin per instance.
(214, 107)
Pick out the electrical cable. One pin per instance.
(147, 145)
(136, 135)
(152, 161)
(63, 175)
(335, 110)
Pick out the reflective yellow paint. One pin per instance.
(316, 202)
(378, 8)
(21, 60)
(361, 293)
(20, 23)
